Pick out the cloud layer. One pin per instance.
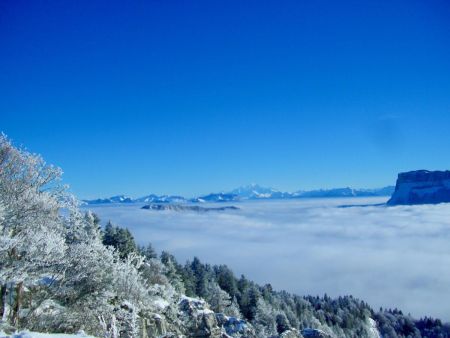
(390, 257)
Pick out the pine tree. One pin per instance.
(119, 238)
(200, 275)
(226, 280)
(148, 251)
(109, 234)
(218, 299)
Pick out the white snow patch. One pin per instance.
(192, 300)
(161, 303)
(205, 312)
(373, 328)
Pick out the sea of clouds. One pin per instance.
(388, 256)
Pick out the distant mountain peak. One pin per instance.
(251, 191)
(254, 190)
(216, 197)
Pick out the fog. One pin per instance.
(387, 256)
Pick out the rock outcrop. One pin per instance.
(192, 318)
(235, 327)
(201, 320)
(421, 187)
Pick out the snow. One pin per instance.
(29, 334)
(373, 328)
(249, 192)
(161, 303)
(192, 300)
(205, 312)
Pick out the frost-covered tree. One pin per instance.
(218, 299)
(265, 319)
(282, 322)
(148, 251)
(173, 271)
(32, 235)
(100, 287)
(60, 273)
(233, 309)
(72, 280)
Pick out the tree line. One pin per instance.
(61, 271)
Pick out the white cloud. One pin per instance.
(390, 257)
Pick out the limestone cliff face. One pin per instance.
(421, 187)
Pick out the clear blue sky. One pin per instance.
(189, 97)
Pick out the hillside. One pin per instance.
(61, 273)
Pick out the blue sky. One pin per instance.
(189, 97)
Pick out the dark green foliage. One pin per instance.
(119, 238)
(177, 272)
(433, 328)
(393, 323)
(200, 277)
(343, 314)
(267, 292)
(189, 280)
(226, 280)
(147, 251)
(247, 298)
(251, 303)
(282, 323)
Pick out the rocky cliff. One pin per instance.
(421, 187)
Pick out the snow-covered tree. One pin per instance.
(218, 299)
(47, 245)
(233, 309)
(265, 319)
(173, 271)
(32, 236)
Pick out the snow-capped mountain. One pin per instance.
(247, 192)
(152, 198)
(255, 191)
(113, 199)
(345, 192)
(219, 197)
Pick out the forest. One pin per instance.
(61, 271)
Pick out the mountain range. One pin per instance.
(247, 192)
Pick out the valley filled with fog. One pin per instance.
(387, 256)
